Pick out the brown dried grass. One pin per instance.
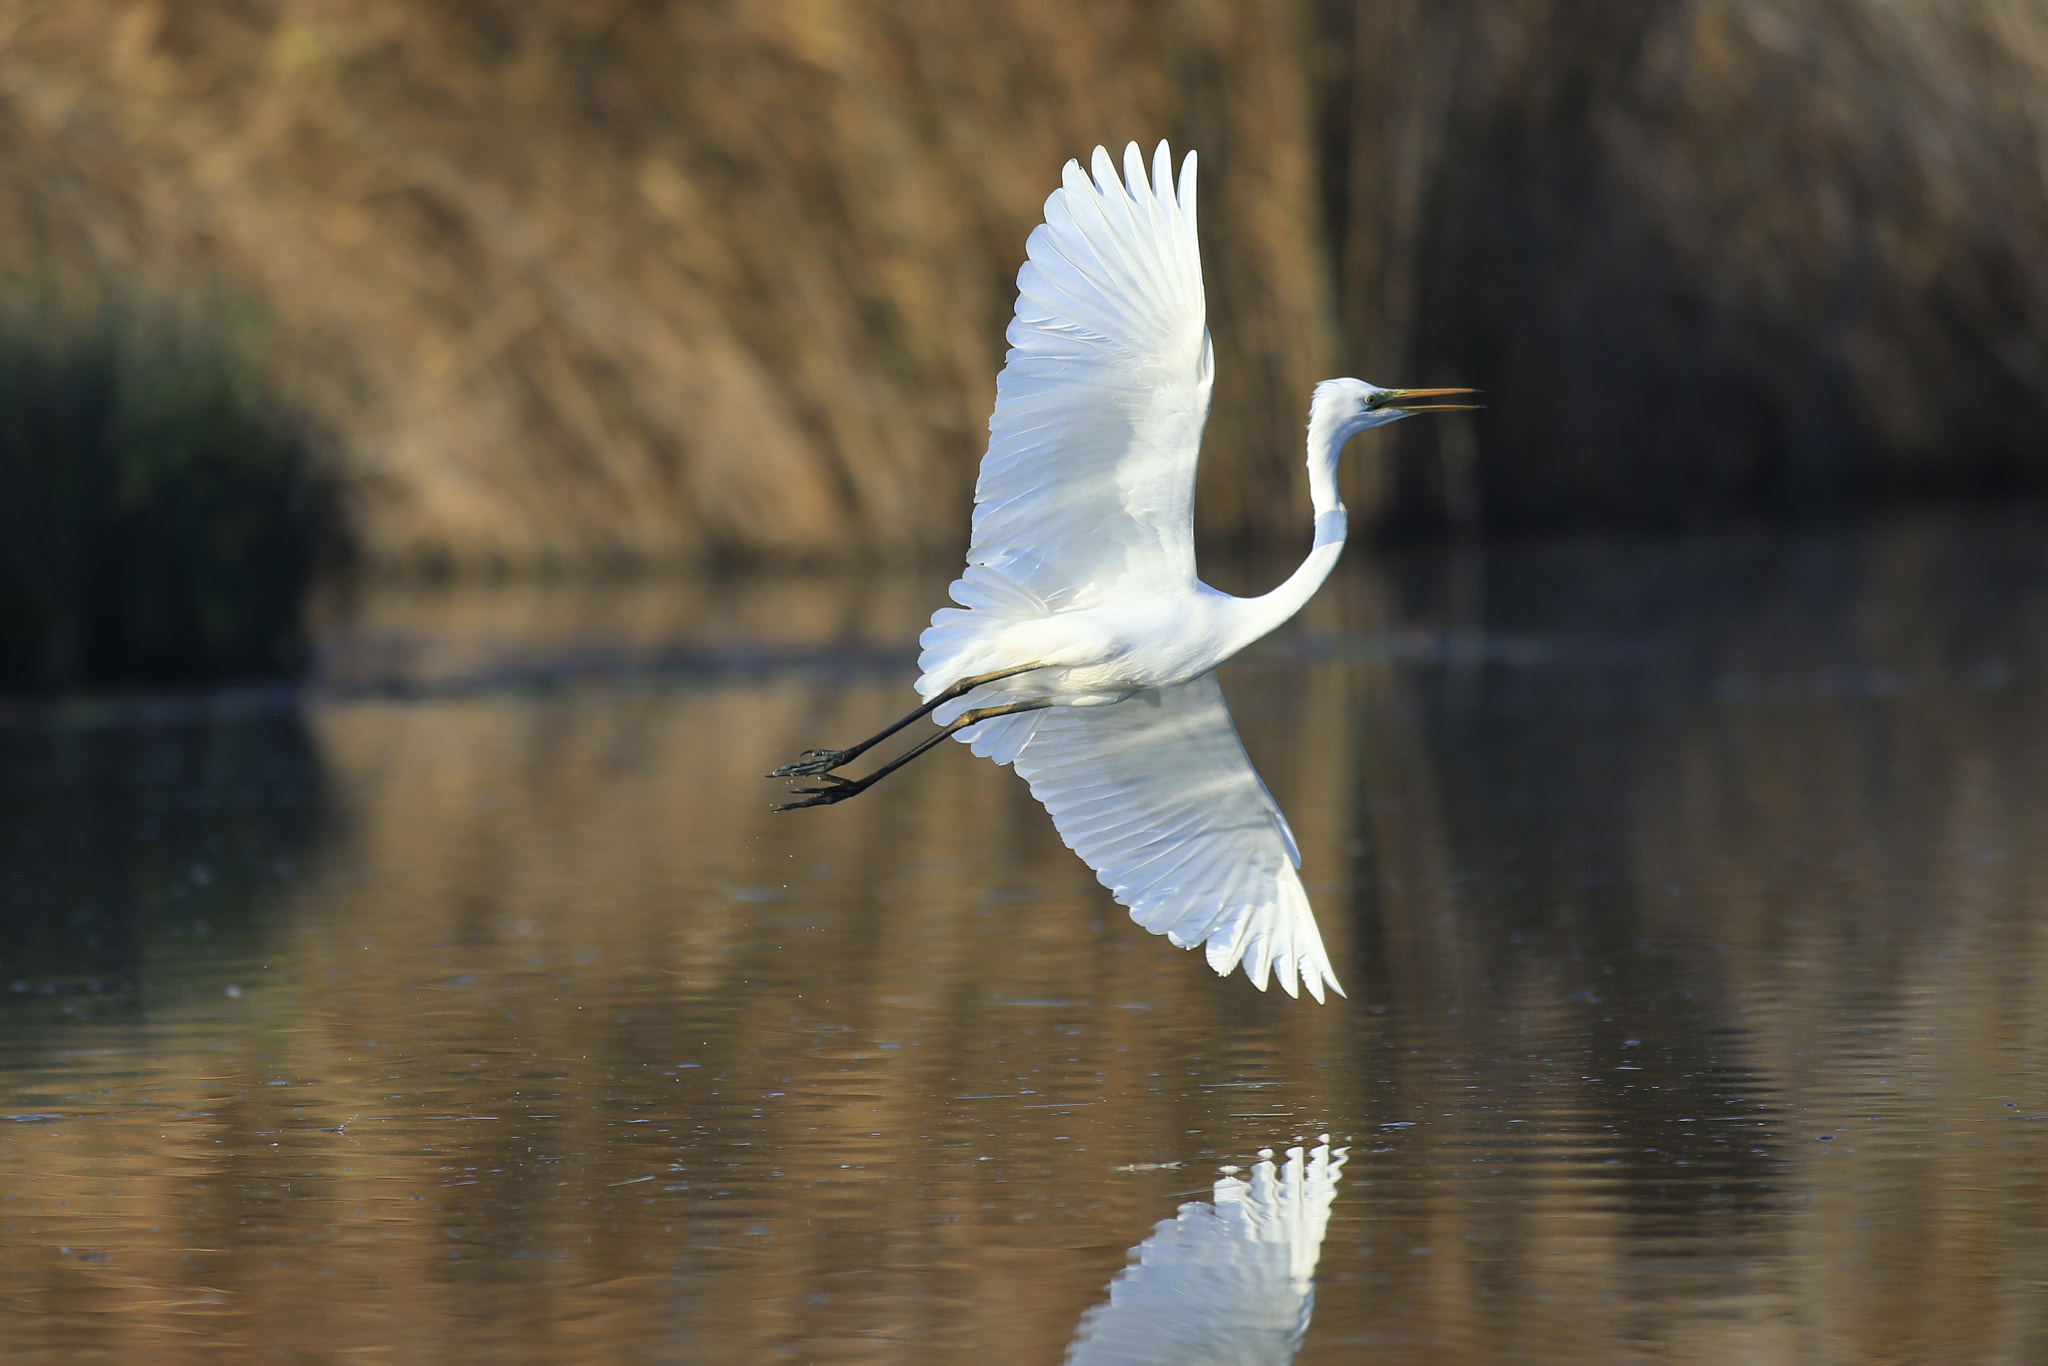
(628, 281)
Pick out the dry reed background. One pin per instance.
(614, 281)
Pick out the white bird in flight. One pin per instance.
(1084, 649)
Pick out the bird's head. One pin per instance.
(1350, 406)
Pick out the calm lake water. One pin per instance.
(470, 1005)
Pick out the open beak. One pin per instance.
(1407, 401)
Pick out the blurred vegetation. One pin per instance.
(643, 280)
(159, 521)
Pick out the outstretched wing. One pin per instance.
(1157, 795)
(1090, 471)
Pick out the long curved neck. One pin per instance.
(1326, 438)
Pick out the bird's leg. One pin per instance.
(842, 788)
(815, 761)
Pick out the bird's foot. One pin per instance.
(838, 791)
(813, 762)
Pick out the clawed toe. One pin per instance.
(813, 763)
(841, 789)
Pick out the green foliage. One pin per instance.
(159, 520)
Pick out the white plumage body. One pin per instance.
(1087, 655)
(1080, 583)
(1082, 564)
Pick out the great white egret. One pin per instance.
(1232, 1281)
(1083, 649)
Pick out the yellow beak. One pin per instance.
(1404, 400)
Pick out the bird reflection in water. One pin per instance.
(1232, 1281)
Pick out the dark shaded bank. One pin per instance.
(161, 520)
(1709, 258)
(660, 280)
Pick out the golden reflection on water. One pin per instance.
(1689, 898)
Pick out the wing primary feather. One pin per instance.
(1085, 209)
(1130, 239)
(1145, 202)
(1159, 207)
(1284, 958)
(1258, 965)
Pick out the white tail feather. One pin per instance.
(955, 645)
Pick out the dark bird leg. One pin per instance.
(815, 761)
(842, 788)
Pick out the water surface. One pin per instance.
(470, 1005)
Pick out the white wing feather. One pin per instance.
(1090, 471)
(1157, 795)
(1087, 492)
